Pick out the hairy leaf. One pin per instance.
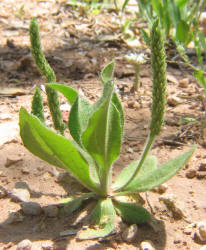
(78, 119)
(160, 175)
(107, 73)
(149, 165)
(55, 149)
(102, 138)
(67, 91)
(103, 217)
(73, 203)
(132, 213)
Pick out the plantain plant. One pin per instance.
(97, 132)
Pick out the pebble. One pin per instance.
(14, 217)
(191, 173)
(175, 207)
(22, 185)
(173, 100)
(131, 104)
(3, 193)
(24, 245)
(130, 233)
(25, 170)
(172, 79)
(31, 208)
(68, 232)
(202, 166)
(11, 161)
(5, 117)
(184, 83)
(130, 150)
(161, 188)
(51, 211)
(147, 245)
(19, 194)
(201, 231)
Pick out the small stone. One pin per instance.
(177, 241)
(130, 233)
(24, 245)
(131, 104)
(22, 185)
(25, 170)
(173, 100)
(5, 117)
(161, 189)
(3, 193)
(19, 194)
(47, 246)
(201, 176)
(14, 217)
(147, 245)
(130, 150)
(201, 231)
(175, 207)
(184, 83)
(31, 208)
(202, 166)
(172, 79)
(11, 161)
(68, 232)
(51, 211)
(191, 173)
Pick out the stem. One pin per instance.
(106, 180)
(137, 74)
(148, 145)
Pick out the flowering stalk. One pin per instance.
(158, 93)
(47, 71)
(37, 105)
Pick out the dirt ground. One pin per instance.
(77, 45)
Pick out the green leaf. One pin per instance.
(149, 165)
(159, 175)
(202, 40)
(132, 213)
(117, 103)
(186, 120)
(78, 119)
(107, 73)
(67, 91)
(145, 37)
(124, 4)
(73, 203)
(102, 138)
(55, 149)
(104, 218)
(182, 31)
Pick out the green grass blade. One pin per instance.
(67, 91)
(159, 175)
(103, 217)
(149, 165)
(55, 149)
(131, 212)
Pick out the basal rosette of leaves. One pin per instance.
(97, 132)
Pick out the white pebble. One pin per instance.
(24, 245)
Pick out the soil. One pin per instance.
(78, 44)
